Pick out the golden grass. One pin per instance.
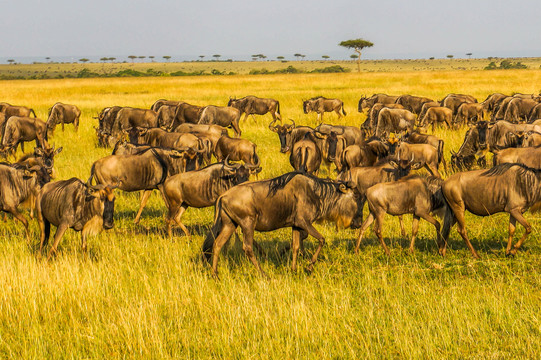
(140, 294)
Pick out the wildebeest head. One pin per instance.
(363, 104)
(284, 133)
(307, 106)
(46, 156)
(482, 127)
(38, 172)
(106, 196)
(232, 101)
(237, 172)
(404, 166)
(349, 206)
(135, 133)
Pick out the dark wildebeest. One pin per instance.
(426, 154)
(306, 156)
(473, 146)
(161, 102)
(21, 129)
(293, 200)
(503, 134)
(468, 112)
(289, 134)
(128, 117)
(252, 105)
(387, 169)
(187, 113)
(73, 204)
(499, 111)
(418, 138)
(211, 132)
(535, 114)
(437, 115)
(199, 189)
(145, 170)
(19, 184)
(165, 116)
(519, 110)
(514, 188)
(336, 138)
(426, 106)
(221, 115)
(365, 155)
(531, 139)
(13, 110)
(63, 114)
(394, 120)
(321, 105)
(368, 103)
(492, 101)
(372, 117)
(413, 103)
(409, 195)
(104, 131)
(453, 101)
(530, 157)
(237, 150)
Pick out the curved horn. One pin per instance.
(293, 121)
(273, 128)
(256, 165)
(229, 165)
(411, 158)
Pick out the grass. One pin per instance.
(141, 294)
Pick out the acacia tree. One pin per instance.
(357, 45)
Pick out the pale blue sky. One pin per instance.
(238, 28)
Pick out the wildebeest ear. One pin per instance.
(319, 135)
(38, 151)
(416, 166)
(58, 151)
(343, 187)
(393, 163)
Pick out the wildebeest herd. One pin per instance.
(171, 148)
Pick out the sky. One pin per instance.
(237, 29)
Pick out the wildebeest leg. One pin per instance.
(433, 221)
(459, 214)
(45, 229)
(295, 246)
(17, 215)
(527, 230)
(76, 123)
(22, 146)
(378, 230)
(402, 227)
(57, 236)
(179, 223)
(311, 230)
(228, 228)
(512, 228)
(338, 112)
(433, 170)
(144, 200)
(369, 220)
(248, 245)
(414, 229)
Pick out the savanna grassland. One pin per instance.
(141, 294)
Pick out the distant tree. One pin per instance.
(326, 57)
(217, 56)
(104, 59)
(303, 56)
(469, 55)
(431, 58)
(297, 56)
(201, 56)
(112, 59)
(11, 61)
(47, 58)
(132, 58)
(141, 57)
(280, 57)
(151, 58)
(353, 56)
(357, 45)
(83, 60)
(450, 56)
(166, 57)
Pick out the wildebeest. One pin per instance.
(293, 200)
(165, 116)
(426, 106)
(14, 110)
(425, 154)
(535, 113)
(409, 195)
(453, 101)
(42, 157)
(161, 102)
(368, 103)
(416, 137)
(531, 139)
(306, 156)
(199, 189)
(365, 155)
(187, 113)
(467, 112)
(63, 114)
(104, 131)
(253, 105)
(519, 110)
(128, 117)
(289, 134)
(492, 101)
(499, 111)
(530, 157)
(20, 129)
(321, 105)
(372, 117)
(514, 188)
(146, 170)
(73, 204)
(221, 115)
(19, 184)
(394, 120)
(211, 132)
(412, 103)
(473, 146)
(237, 150)
(437, 115)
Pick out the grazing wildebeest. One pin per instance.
(368, 103)
(211, 132)
(289, 134)
(73, 204)
(306, 156)
(161, 102)
(372, 117)
(426, 106)
(453, 101)
(128, 117)
(530, 157)
(492, 101)
(499, 111)
(104, 131)
(63, 114)
(199, 189)
(187, 113)
(351, 134)
(409, 195)
(437, 115)
(394, 120)
(535, 113)
(165, 116)
(19, 184)
(145, 170)
(467, 112)
(426, 154)
(252, 105)
(417, 138)
(412, 103)
(519, 110)
(293, 200)
(514, 188)
(321, 105)
(237, 150)
(365, 155)
(21, 129)
(531, 139)
(13, 110)
(221, 115)
(473, 146)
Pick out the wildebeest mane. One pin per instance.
(323, 187)
(503, 168)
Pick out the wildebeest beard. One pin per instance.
(108, 211)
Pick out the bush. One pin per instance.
(332, 69)
(505, 64)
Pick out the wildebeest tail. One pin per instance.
(208, 244)
(92, 172)
(32, 111)
(343, 111)
(278, 108)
